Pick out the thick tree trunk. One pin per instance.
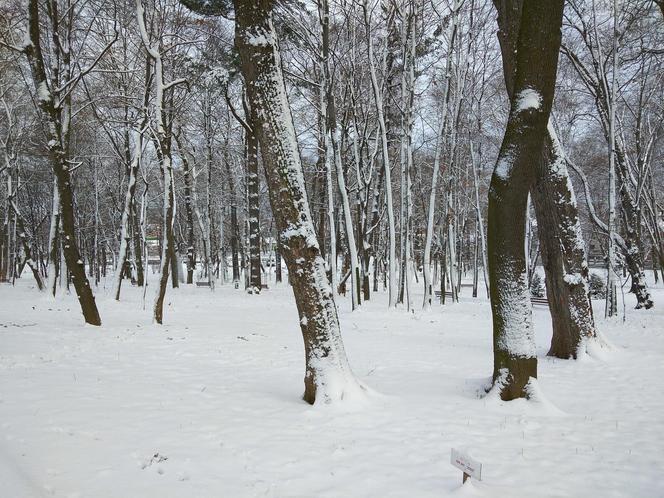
(563, 254)
(515, 360)
(561, 241)
(328, 375)
(70, 248)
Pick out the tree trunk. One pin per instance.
(254, 210)
(57, 149)
(189, 213)
(26, 244)
(563, 254)
(328, 375)
(125, 234)
(378, 101)
(277, 263)
(561, 241)
(515, 360)
(163, 150)
(138, 247)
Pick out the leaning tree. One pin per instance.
(328, 375)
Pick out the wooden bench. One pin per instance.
(202, 283)
(448, 293)
(535, 301)
(264, 286)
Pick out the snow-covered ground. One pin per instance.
(209, 405)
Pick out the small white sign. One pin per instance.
(469, 466)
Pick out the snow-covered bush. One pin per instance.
(597, 286)
(536, 286)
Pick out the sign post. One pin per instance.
(469, 466)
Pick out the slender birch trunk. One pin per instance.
(378, 102)
(164, 152)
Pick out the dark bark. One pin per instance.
(255, 39)
(277, 263)
(254, 209)
(535, 67)
(189, 213)
(563, 258)
(166, 249)
(175, 265)
(234, 246)
(163, 151)
(138, 247)
(561, 243)
(58, 155)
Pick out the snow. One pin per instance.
(43, 93)
(528, 99)
(518, 339)
(505, 165)
(210, 403)
(263, 39)
(217, 75)
(573, 278)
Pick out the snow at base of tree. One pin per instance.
(209, 404)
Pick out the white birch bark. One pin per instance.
(611, 304)
(53, 252)
(378, 102)
(125, 235)
(426, 264)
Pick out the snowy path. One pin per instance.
(209, 404)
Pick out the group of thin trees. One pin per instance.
(374, 145)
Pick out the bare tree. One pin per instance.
(515, 360)
(328, 377)
(54, 96)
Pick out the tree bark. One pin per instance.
(22, 235)
(563, 254)
(561, 241)
(254, 209)
(163, 150)
(189, 212)
(515, 360)
(57, 148)
(328, 375)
